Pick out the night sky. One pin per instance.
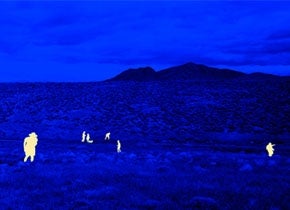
(94, 40)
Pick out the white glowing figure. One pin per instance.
(118, 146)
(270, 149)
(107, 137)
(29, 145)
(88, 138)
(84, 136)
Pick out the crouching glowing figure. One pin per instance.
(270, 149)
(29, 145)
(107, 137)
(118, 146)
(88, 138)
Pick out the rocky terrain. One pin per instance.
(227, 111)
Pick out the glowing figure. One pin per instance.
(107, 137)
(88, 138)
(270, 149)
(118, 146)
(29, 145)
(84, 136)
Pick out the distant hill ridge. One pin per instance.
(188, 71)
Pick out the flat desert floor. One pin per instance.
(93, 176)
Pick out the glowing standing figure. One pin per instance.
(29, 145)
(89, 140)
(84, 136)
(107, 137)
(270, 149)
(118, 146)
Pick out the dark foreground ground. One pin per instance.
(186, 145)
(94, 176)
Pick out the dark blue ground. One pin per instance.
(94, 176)
(185, 145)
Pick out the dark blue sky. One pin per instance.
(94, 40)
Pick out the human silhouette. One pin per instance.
(29, 145)
(107, 137)
(88, 138)
(118, 146)
(270, 149)
(84, 136)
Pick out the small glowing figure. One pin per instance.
(29, 145)
(89, 140)
(107, 137)
(118, 146)
(270, 149)
(84, 136)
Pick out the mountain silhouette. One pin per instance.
(261, 76)
(188, 71)
(139, 74)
